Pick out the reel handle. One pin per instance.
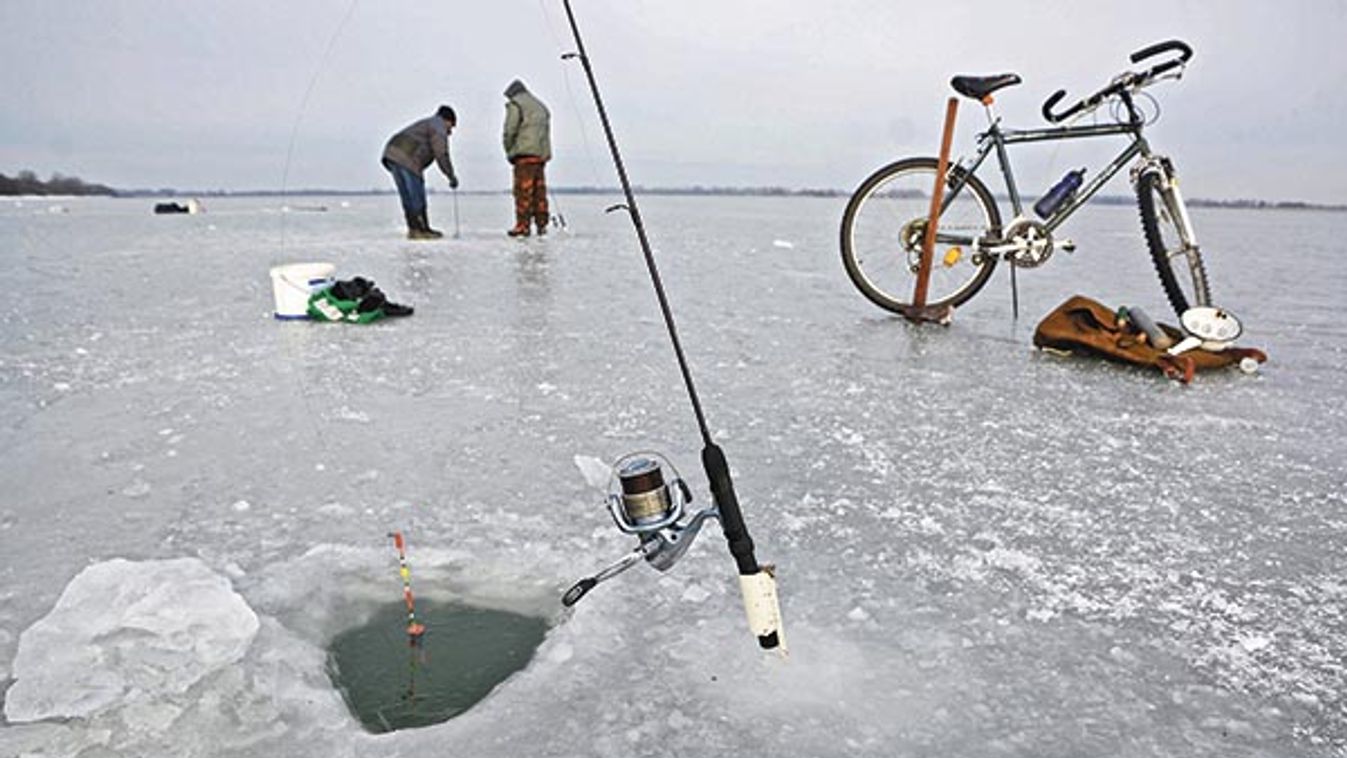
(578, 590)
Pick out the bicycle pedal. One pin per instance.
(1067, 246)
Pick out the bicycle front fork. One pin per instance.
(1168, 182)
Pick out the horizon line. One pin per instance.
(683, 190)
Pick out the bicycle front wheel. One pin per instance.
(885, 223)
(1177, 260)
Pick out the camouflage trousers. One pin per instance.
(530, 192)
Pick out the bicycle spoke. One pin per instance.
(884, 229)
(1184, 284)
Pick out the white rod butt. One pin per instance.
(763, 609)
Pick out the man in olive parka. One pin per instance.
(528, 146)
(408, 153)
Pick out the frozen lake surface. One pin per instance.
(982, 550)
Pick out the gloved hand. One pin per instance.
(453, 182)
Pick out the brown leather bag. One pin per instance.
(1084, 326)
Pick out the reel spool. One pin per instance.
(644, 504)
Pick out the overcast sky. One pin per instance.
(797, 93)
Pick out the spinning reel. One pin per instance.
(643, 504)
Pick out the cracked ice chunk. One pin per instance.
(124, 632)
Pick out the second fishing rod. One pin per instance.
(640, 501)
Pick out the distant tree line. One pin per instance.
(27, 183)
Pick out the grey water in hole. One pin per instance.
(390, 684)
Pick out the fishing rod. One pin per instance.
(646, 505)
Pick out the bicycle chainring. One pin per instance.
(1028, 242)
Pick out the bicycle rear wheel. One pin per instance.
(883, 227)
(1177, 260)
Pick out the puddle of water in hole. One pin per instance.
(465, 652)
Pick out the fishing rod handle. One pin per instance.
(763, 609)
(731, 517)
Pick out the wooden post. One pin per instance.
(918, 310)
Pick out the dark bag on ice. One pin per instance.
(1086, 327)
(355, 301)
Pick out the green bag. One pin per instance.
(326, 306)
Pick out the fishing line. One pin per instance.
(303, 104)
(311, 415)
(570, 96)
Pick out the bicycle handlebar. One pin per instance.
(1126, 81)
(1185, 52)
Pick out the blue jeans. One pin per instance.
(411, 187)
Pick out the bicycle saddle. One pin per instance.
(978, 87)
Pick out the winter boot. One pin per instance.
(413, 225)
(542, 226)
(520, 229)
(426, 231)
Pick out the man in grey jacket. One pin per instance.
(408, 153)
(528, 146)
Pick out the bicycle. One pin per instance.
(886, 218)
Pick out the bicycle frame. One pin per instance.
(886, 230)
(997, 139)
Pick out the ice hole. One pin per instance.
(391, 684)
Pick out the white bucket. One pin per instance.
(294, 283)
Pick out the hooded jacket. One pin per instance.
(527, 124)
(418, 145)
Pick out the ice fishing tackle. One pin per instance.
(415, 629)
(649, 509)
(643, 504)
